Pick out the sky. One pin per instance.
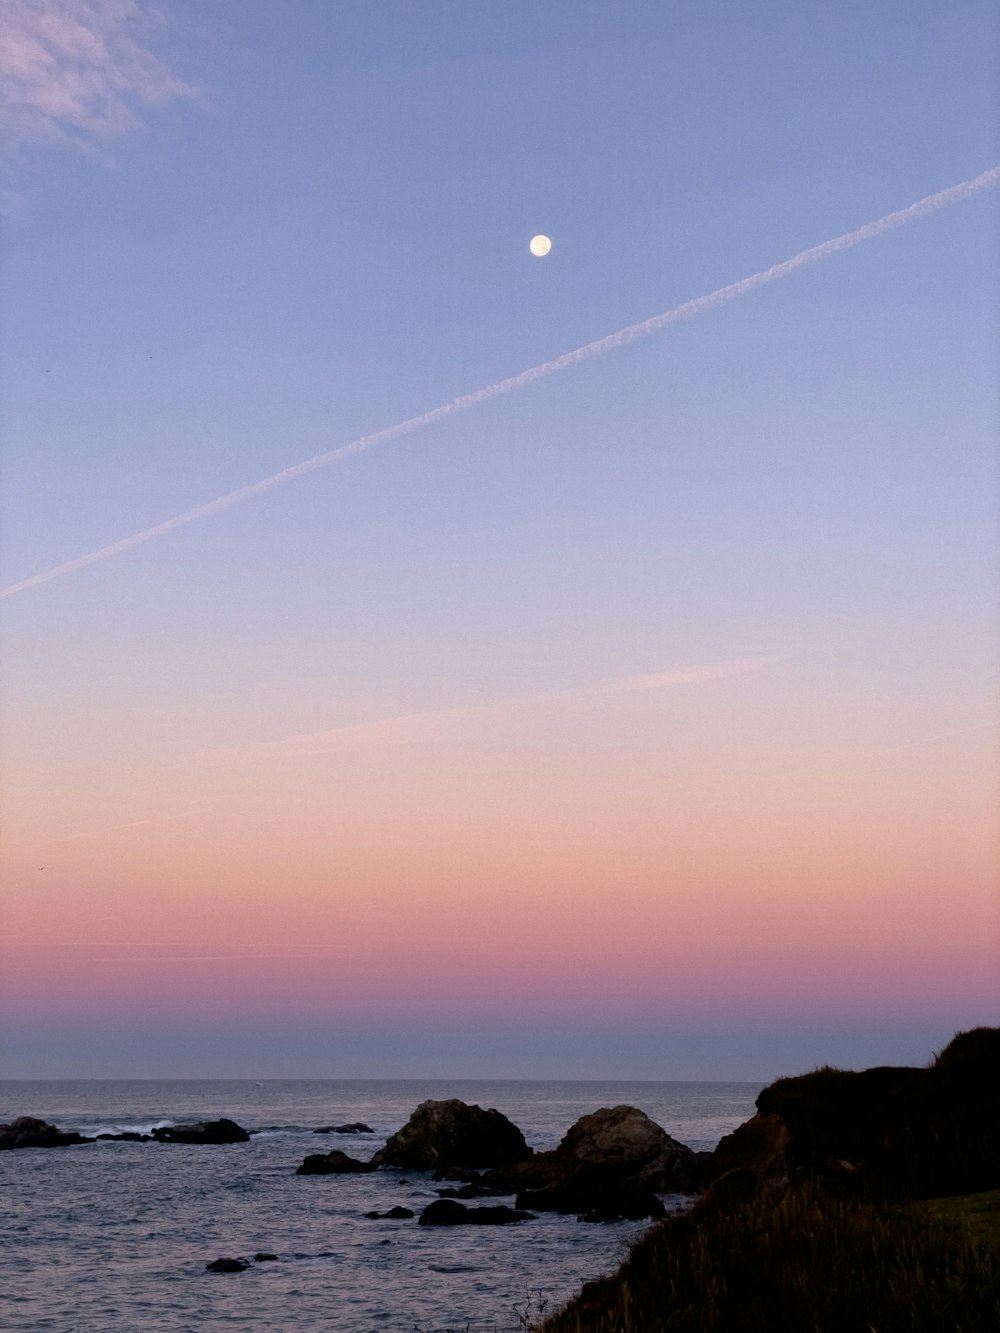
(636, 720)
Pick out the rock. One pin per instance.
(894, 1130)
(392, 1214)
(471, 1192)
(227, 1266)
(334, 1163)
(355, 1127)
(127, 1136)
(595, 1199)
(625, 1142)
(599, 1156)
(205, 1131)
(457, 1173)
(451, 1213)
(451, 1134)
(27, 1132)
(263, 1257)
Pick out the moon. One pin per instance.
(539, 245)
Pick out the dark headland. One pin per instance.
(864, 1201)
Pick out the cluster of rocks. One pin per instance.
(26, 1132)
(611, 1164)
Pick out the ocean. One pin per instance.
(114, 1237)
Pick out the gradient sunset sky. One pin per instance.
(640, 721)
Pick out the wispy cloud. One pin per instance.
(79, 70)
(443, 724)
(387, 732)
(114, 828)
(695, 675)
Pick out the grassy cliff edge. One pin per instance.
(838, 1210)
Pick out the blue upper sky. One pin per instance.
(237, 235)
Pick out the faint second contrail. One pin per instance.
(953, 195)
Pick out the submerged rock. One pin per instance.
(355, 1127)
(227, 1266)
(335, 1163)
(441, 1134)
(475, 1191)
(205, 1131)
(595, 1199)
(27, 1132)
(398, 1213)
(451, 1213)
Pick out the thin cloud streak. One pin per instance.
(114, 828)
(631, 333)
(437, 725)
(698, 675)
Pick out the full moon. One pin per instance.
(539, 245)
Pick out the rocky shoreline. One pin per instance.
(891, 1131)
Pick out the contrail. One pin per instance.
(953, 195)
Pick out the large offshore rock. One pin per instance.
(604, 1151)
(453, 1134)
(625, 1142)
(205, 1131)
(27, 1132)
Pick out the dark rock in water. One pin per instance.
(27, 1132)
(263, 1257)
(451, 1213)
(449, 1134)
(625, 1143)
(334, 1163)
(594, 1198)
(471, 1192)
(630, 1203)
(227, 1266)
(457, 1173)
(891, 1130)
(127, 1136)
(355, 1127)
(601, 1153)
(393, 1214)
(205, 1131)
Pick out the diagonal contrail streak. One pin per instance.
(930, 204)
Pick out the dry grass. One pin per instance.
(801, 1261)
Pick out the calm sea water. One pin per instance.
(116, 1236)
